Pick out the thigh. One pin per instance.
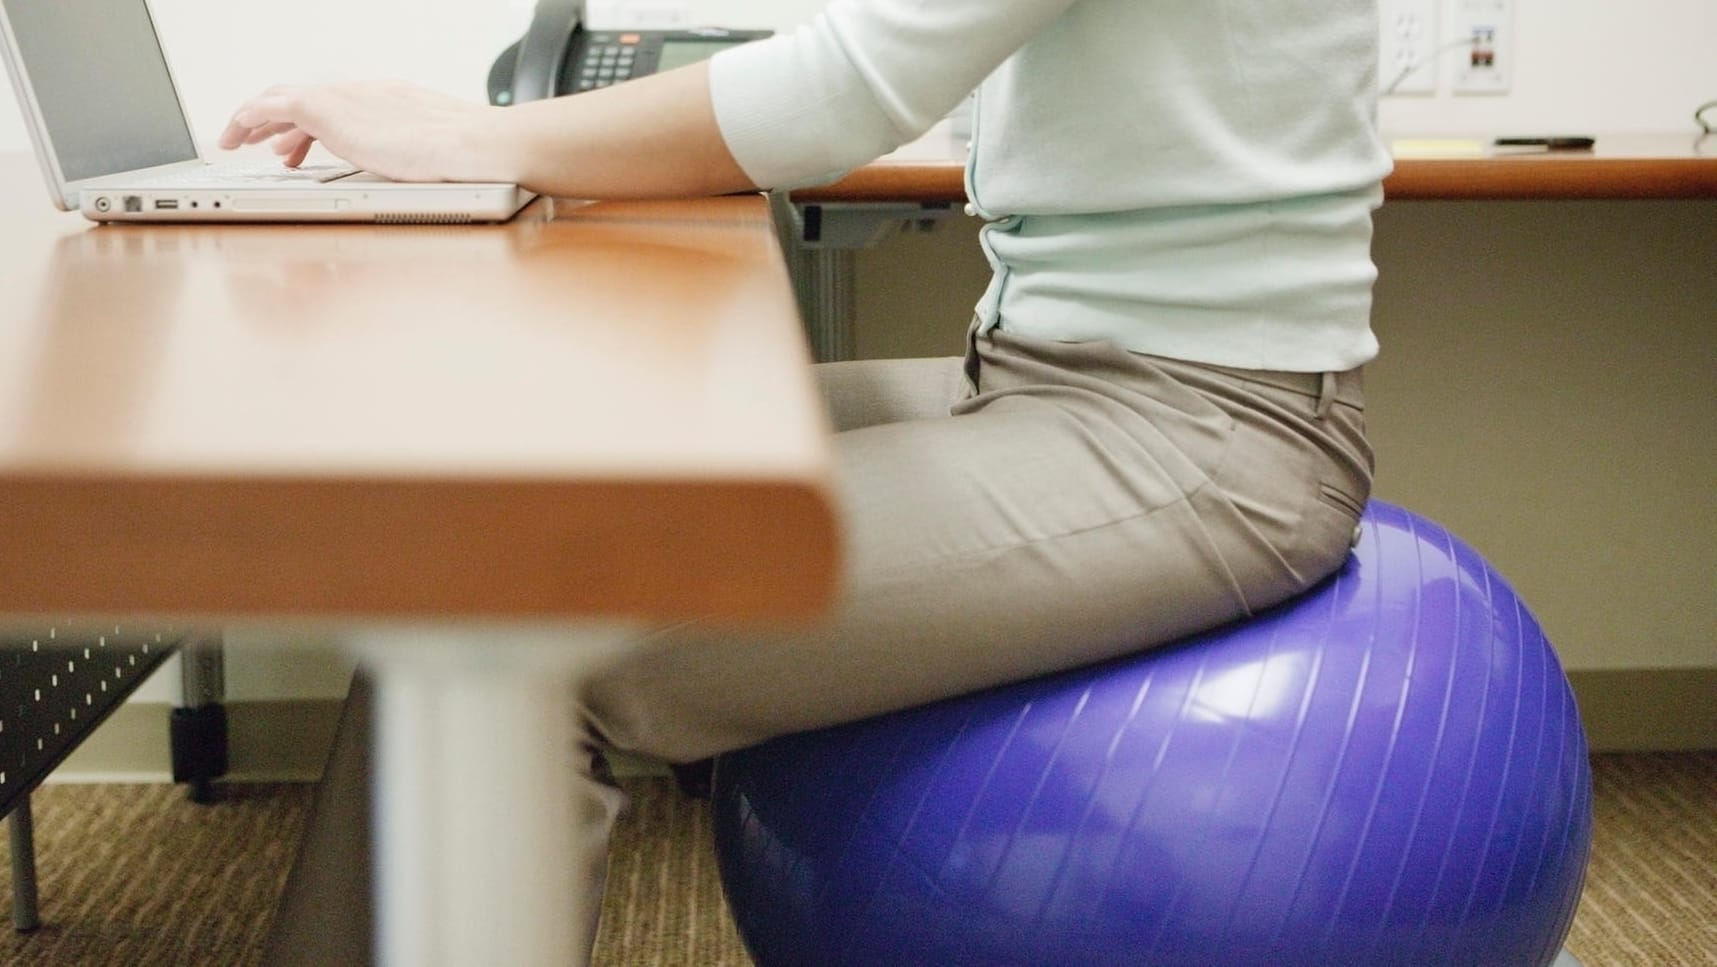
(1047, 525)
(863, 393)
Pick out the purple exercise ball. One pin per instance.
(1388, 770)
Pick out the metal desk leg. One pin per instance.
(823, 280)
(198, 729)
(25, 915)
(482, 853)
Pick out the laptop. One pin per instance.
(114, 143)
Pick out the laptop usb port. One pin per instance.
(166, 203)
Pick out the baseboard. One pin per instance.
(1624, 709)
(1644, 710)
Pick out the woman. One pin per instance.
(1158, 424)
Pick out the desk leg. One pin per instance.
(197, 732)
(824, 282)
(479, 805)
(25, 913)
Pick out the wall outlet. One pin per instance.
(1407, 48)
(1482, 32)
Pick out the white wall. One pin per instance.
(1581, 65)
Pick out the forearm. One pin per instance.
(654, 137)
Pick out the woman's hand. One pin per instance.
(391, 128)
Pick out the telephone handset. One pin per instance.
(557, 55)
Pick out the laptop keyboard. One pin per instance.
(241, 173)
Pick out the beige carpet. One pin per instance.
(1651, 888)
(135, 875)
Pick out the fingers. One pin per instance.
(277, 111)
(293, 147)
(291, 143)
(239, 132)
(257, 135)
(233, 135)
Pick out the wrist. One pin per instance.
(503, 142)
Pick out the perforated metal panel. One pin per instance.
(57, 683)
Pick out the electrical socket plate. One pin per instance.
(1407, 48)
(1483, 31)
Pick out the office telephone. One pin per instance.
(558, 55)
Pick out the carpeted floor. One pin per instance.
(135, 875)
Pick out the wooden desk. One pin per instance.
(932, 171)
(490, 453)
(926, 180)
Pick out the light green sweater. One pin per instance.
(1188, 178)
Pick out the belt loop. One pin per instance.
(1326, 395)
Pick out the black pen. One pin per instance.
(1550, 143)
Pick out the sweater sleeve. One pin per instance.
(863, 78)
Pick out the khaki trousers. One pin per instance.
(1039, 507)
(1033, 507)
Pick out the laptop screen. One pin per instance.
(101, 85)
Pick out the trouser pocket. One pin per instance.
(1345, 502)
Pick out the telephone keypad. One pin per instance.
(606, 65)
